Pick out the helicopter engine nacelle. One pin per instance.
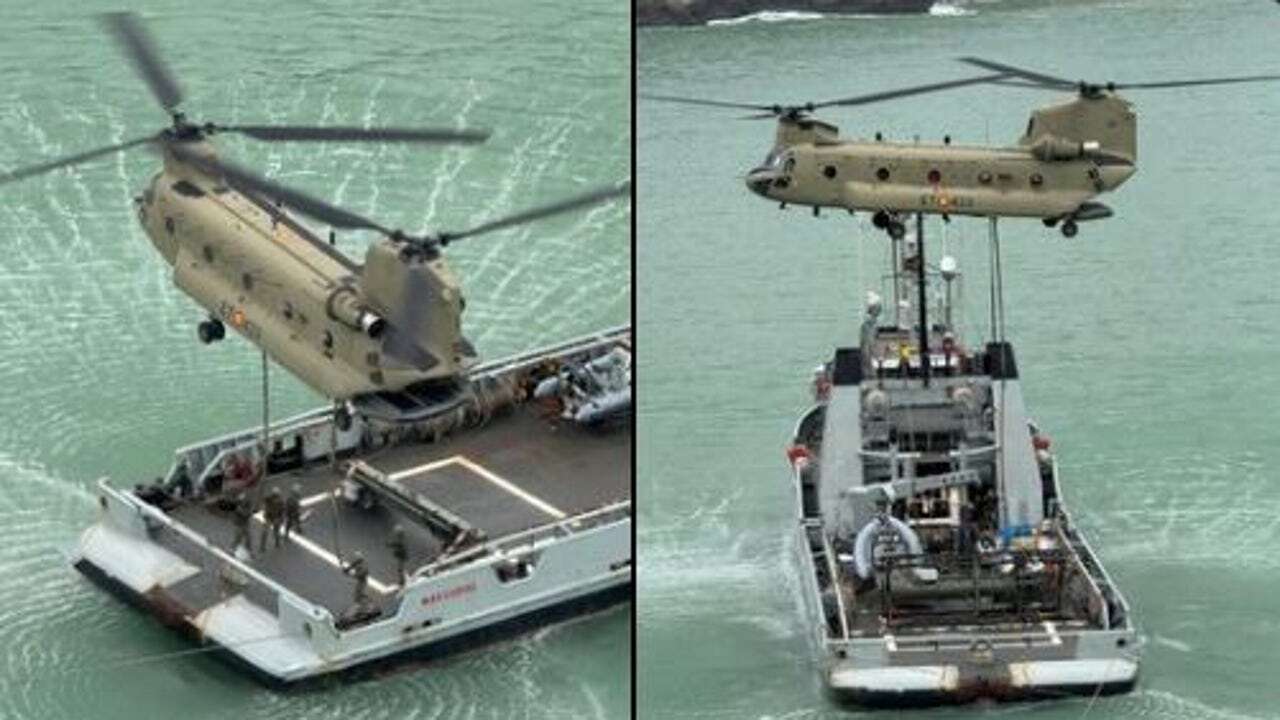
(345, 306)
(805, 131)
(1050, 148)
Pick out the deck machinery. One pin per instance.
(512, 515)
(939, 563)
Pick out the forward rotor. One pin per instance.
(796, 112)
(140, 50)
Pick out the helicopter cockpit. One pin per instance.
(774, 171)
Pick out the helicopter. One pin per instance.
(391, 325)
(1071, 152)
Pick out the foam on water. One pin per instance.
(946, 9)
(768, 16)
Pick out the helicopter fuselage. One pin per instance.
(943, 179)
(303, 302)
(1072, 151)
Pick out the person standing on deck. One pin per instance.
(243, 513)
(273, 516)
(400, 551)
(293, 511)
(358, 570)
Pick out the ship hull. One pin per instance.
(513, 520)
(409, 658)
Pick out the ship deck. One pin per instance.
(520, 471)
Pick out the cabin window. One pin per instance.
(1031, 125)
(984, 177)
(168, 225)
(208, 253)
(186, 189)
(935, 176)
(882, 174)
(247, 280)
(1037, 180)
(829, 171)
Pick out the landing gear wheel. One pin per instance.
(1069, 228)
(211, 331)
(1049, 222)
(897, 230)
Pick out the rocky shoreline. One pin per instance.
(697, 12)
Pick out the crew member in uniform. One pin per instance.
(293, 511)
(360, 571)
(243, 513)
(273, 514)
(400, 551)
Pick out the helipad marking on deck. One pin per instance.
(487, 474)
(319, 550)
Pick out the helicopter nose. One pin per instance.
(760, 179)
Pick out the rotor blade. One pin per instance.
(904, 92)
(578, 201)
(306, 204)
(1018, 83)
(1188, 83)
(30, 170)
(709, 103)
(304, 133)
(141, 51)
(1011, 70)
(758, 116)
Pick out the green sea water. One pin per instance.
(1148, 345)
(100, 371)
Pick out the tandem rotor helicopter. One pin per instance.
(349, 331)
(1072, 151)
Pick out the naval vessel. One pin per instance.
(939, 563)
(514, 505)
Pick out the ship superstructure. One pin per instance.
(939, 563)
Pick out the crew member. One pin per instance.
(273, 515)
(242, 515)
(360, 571)
(293, 511)
(400, 551)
